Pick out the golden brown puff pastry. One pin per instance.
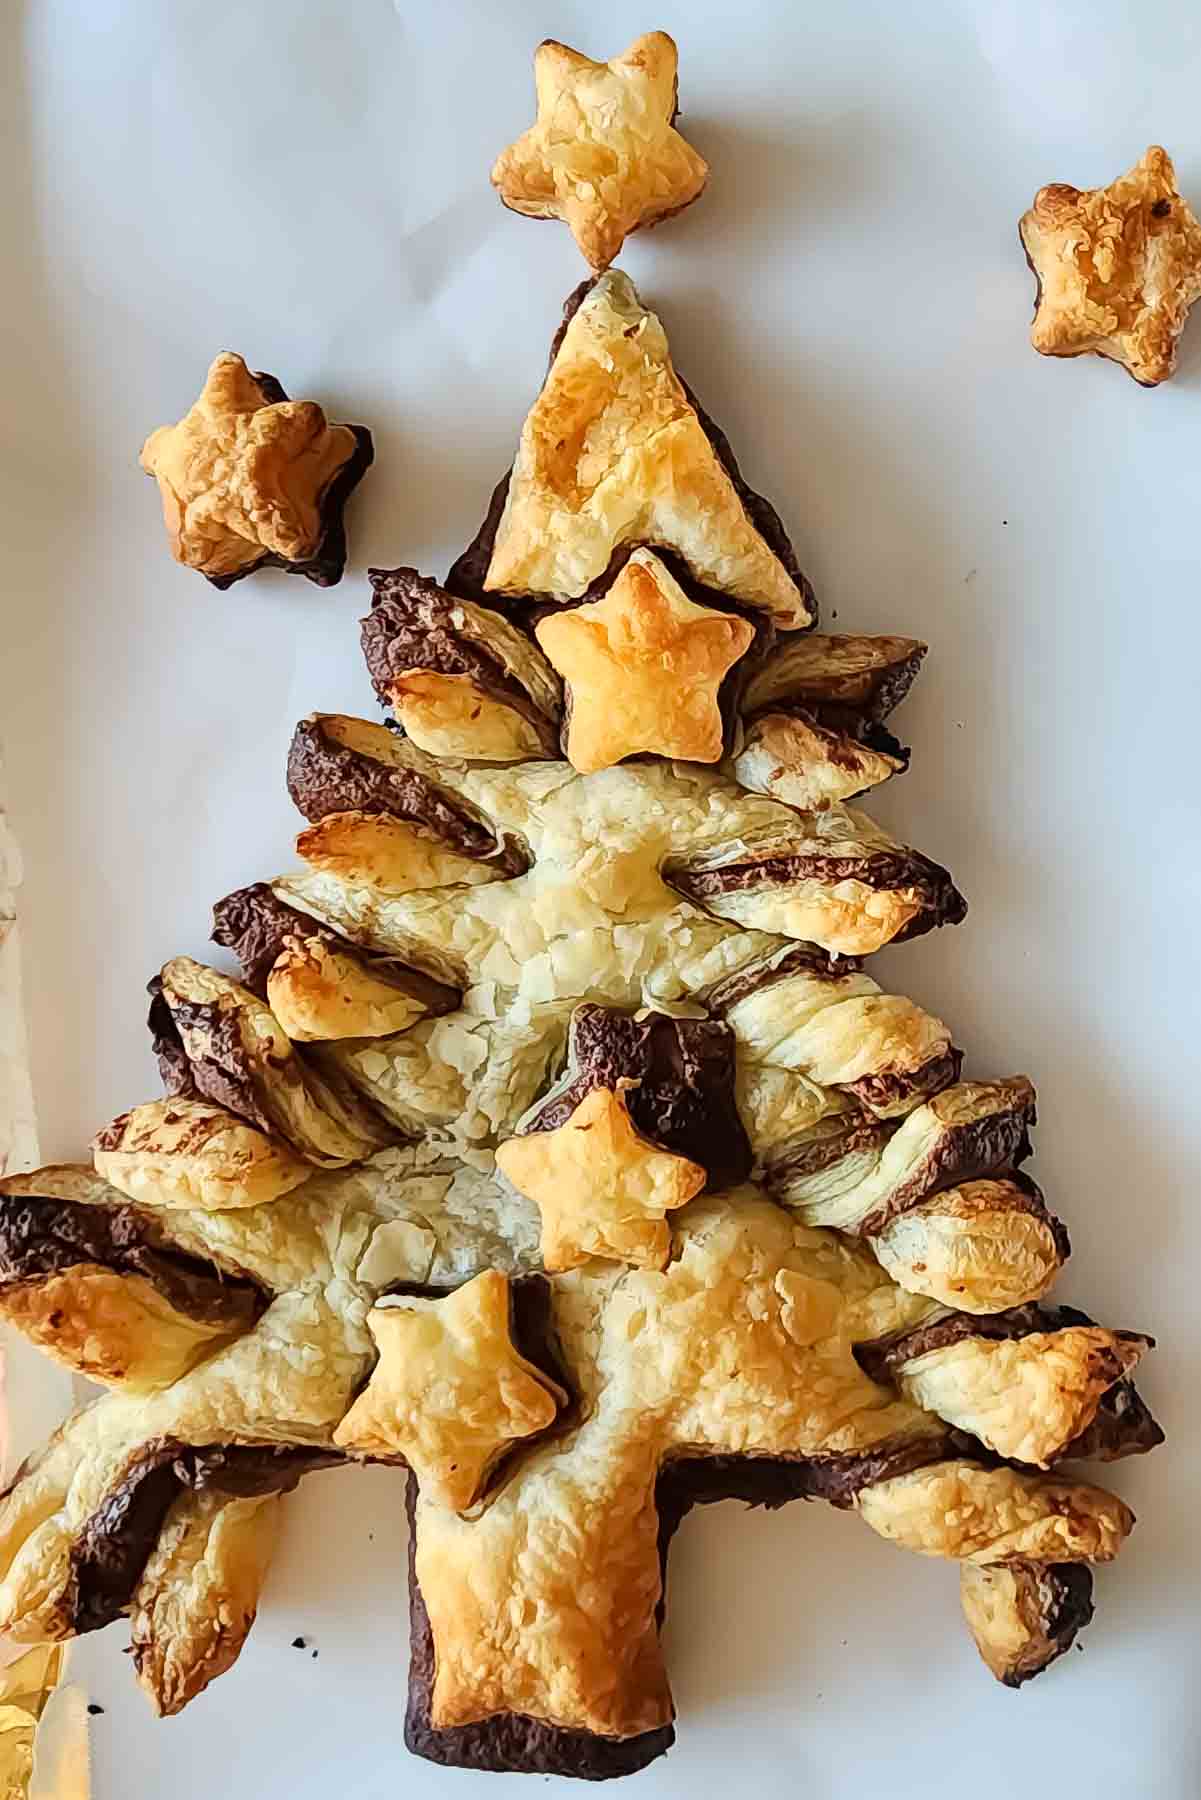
(741, 1350)
(815, 710)
(860, 1177)
(461, 679)
(1024, 1614)
(1027, 1383)
(831, 878)
(450, 1392)
(317, 983)
(597, 916)
(613, 452)
(214, 1037)
(600, 1187)
(604, 155)
(1117, 268)
(980, 1246)
(800, 1009)
(642, 669)
(102, 1289)
(249, 479)
(198, 1592)
(191, 1153)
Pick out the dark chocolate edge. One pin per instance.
(471, 657)
(725, 1152)
(44, 1235)
(1070, 1611)
(115, 1542)
(266, 922)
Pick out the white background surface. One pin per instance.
(308, 184)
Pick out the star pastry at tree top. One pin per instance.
(642, 669)
(601, 1188)
(604, 154)
(450, 1393)
(1117, 267)
(617, 451)
(249, 478)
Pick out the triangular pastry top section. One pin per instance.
(615, 452)
(604, 154)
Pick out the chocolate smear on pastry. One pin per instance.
(117, 1539)
(47, 1236)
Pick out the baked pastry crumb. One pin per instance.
(604, 154)
(1117, 267)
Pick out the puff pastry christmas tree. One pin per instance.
(552, 1142)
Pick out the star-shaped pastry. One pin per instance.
(249, 477)
(615, 451)
(643, 667)
(1117, 268)
(450, 1392)
(602, 1190)
(604, 155)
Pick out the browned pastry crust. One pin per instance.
(1026, 1383)
(604, 155)
(601, 1188)
(450, 1393)
(861, 1177)
(1024, 1614)
(642, 669)
(461, 679)
(1117, 268)
(318, 984)
(801, 1009)
(99, 1289)
(835, 676)
(250, 479)
(338, 765)
(835, 879)
(179, 1152)
(981, 1245)
(214, 1038)
(694, 549)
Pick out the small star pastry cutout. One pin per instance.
(643, 667)
(604, 154)
(249, 477)
(1117, 268)
(450, 1393)
(602, 1189)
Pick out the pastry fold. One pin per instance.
(461, 678)
(815, 710)
(821, 1016)
(317, 983)
(190, 1153)
(216, 1039)
(101, 1288)
(1027, 1383)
